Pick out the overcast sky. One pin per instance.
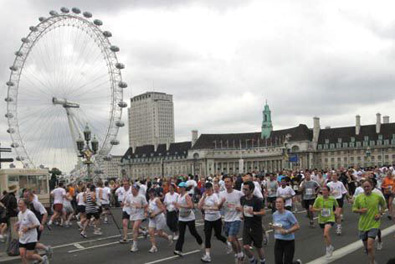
(222, 59)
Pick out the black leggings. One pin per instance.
(208, 228)
(172, 221)
(192, 229)
(284, 251)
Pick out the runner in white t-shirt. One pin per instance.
(123, 192)
(287, 193)
(338, 191)
(58, 195)
(171, 211)
(230, 201)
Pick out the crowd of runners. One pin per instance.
(232, 207)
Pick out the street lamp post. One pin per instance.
(130, 167)
(87, 150)
(368, 153)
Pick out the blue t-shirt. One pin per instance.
(286, 220)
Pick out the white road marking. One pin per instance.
(97, 246)
(344, 251)
(78, 246)
(173, 257)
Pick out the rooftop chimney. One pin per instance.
(378, 122)
(194, 137)
(386, 119)
(316, 129)
(357, 124)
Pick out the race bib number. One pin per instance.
(309, 191)
(231, 207)
(326, 212)
(296, 187)
(335, 193)
(247, 210)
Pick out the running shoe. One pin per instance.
(339, 230)
(206, 258)
(265, 239)
(49, 252)
(175, 238)
(379, 245)
(134, 248)
(153, 249)
(45, 260)
(97, 232)
(228, 248)
(178, 253)
(170, 238)
(83, 234)
(329, 251)
(123, 241)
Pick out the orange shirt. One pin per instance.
(388, 182)
(72, 191)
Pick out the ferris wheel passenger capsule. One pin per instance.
(119, 124)
(122, 85)
(14, 145)
(122, 104)
(19, 158)
(120, 66)
(76, 10)
(41, 19)
(114, 142)
(33, 29)
(114, 48)
(87, 14)
(53, 13)
(13, 68)
(8, 99)
(18, 53)
(98, 22)
(64, 10)
(9, 83)
(11, 131)
(9, 115)
(25, 40)
(107, 34)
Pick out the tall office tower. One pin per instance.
(151, 119)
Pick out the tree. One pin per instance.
(54, 179)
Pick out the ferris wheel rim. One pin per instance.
(92, 28)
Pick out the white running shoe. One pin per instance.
(178, 253)
(339, 230)
(228, 248)
(170, 238)
(175, 238)
(153, 249)
(206, 258)
(379, 245)
(329, 251)
(134, 248)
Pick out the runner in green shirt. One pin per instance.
(371, 207)
(327, 207)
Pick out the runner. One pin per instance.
(212, 219)
(68, 210)
(309, 190)
(252, 231)
(91, 210)
(272, 186)
(171, 211)
(27, 229)
(81, 207)
(186, 218)
(371, 207)
(230, 201)
(58, 194)
(157, 221)
(284, 225)
(386, 186)
(105, 197)
(287, 193)
(122, 193)
(326, 205)
(137, 207)
(42, 215)
(338, 191)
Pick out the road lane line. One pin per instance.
(173, 257)
(97, 246)
(78, 246)
(344, 251)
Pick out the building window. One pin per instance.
(326, 141)
(366, 138)
(339, 140)
(352, 139)
(352, 144)
(332, 160)
(319, 146)
(380, 137)
(332, 146)
(338, 145)
(345, 145)
(372, 143)
(386, 142)
(352, 158)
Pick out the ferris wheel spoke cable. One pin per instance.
(82, 89)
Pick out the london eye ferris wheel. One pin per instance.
(65, 75)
